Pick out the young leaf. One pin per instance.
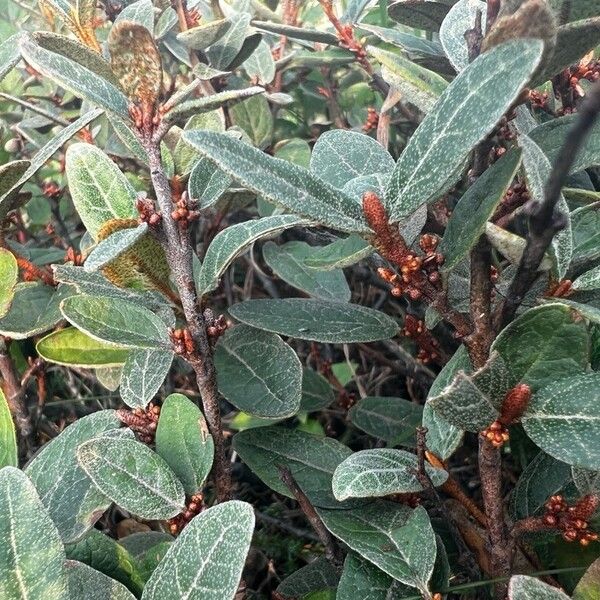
(132, 476)
(206, 560)
(9, 273)
(114, 246)
(467, 111)
(342, 253)
(8, 440)
(31, 563)
(182, 439)
(144, 372)
(222, 52)
(258, 373)
(86, 583)
(318, 320)
(99, 190)
(522, 587)
(280, 182)
(380, 472)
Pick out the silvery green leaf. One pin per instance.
(342, 253)
(10, 54)
(466, 113)
(317, 392)
(32, 555)
(234, 241)
(260, 65)
(204, 72)
(109, 377)
(314, 578)
(141, 12)
(287, 262)
(297, 33)
(587, 311)
(590, 280)
(460, 18)
(354, 10)
(206, 560)
(182, 439)
(207, 183)
(253, 116)
(317, 320)
(204, 35)
(86, 583)
(258, 373)
(340, 156)
(99, 190)
(113, 246)
(144, 372)
(377, 182)
(11, 178)
(72, 501)
(412, 44)
(141, 542)
(563, 420)
(420, 14)
(165, 23)
(132, 476)
(225, 48)
(586, 481)
(280, 182)
(116, 321)
(523, 587)
(380, 472)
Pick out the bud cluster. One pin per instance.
(372, 120)
(215, 326)
(183, 342)
(427, 344)
(73, 256)
(513, 406)
(147, 211)
(347, 40)
(185, 212)
(572, 521)
(560, 289)
(143, 422)
(194, 507)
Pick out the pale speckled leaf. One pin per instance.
(297, 33)
(522, 587)
(420, 14)
(376, 183)
(587, 311)
(141, 12)
(260, 65)
(288, 263)
(113, 246)
(31, 553)
(222, 52)
(258, 373)
(280, 182)
(133, 477)
(398, 540)
(316, 576)
(413, 44)
(204, 35)
(235, 240)
(143, 373)
(206, 560)
(459, 19)
(72, 501)
(11, 178)
(467, 111)
(317, 320)
(9, 273)
(340, 156)
(317, 392)
(339, 254)
(86, 583)
(10, 54)
(590, 280)
(207, 183)
(116, 321)
(311, 459)
(255, 119)
(8, 438)
(563, 419)
(586, 481)
(380, 472)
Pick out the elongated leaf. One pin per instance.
(9, 54)
(99, 190)
(31, 564)
(420, 14)
(318, 320)
(207, 183)
(380, 472)
(72, 501)
(563, 418)
(590, 280)
(114, 246)
(258, 373)
(297, 33)
(222, 52)
(475, 208)
(206, 560)
(9, 273)
(235, 240)
(86, 583)
(182, 439)
(398, 540)
(116, 321)
(412, 44)
(340, 156)
(8, 440)
(467, 111)
(339, 254)
(279, 181)
(522, 587)
(144, 372)
(132, 476)
(310, 458)
(203, 36)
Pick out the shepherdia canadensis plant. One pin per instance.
(299, 300)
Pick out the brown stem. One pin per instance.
(178, 250)
(493, 8)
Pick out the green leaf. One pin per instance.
(206, 560)
(234, 241)
(9, 454)
(317, 393)
(222, 52)
(295, 150)
(254, 117)
(116, 321)
(31, 555)
(587, 311)
(590, 280)
(73, 348)
(203, 36)
(588, 587)
(460, 18)
(476, 207)
(563, 420)
(72, 501)
(258, 373)
(342, 253)
(133, 477)
(317, 320)
(9, 275)
(390, 419)
(114, 246)
(140, 543)
(279, 181)
(10, 54)
(545, 343)
(380, 472)
(207, 183)
(420, 14)
(316, 576)
(418, 85)
(99, 190)
(522, 587)
(398, 540)
(86, 583)
(340, 156)
(412, 44)
(311, 459)
(288, 263)
(297, 33)
(466, 113)
(586, 481)
(182, 439)
(11, 179)
(144, 372)
(141, 12)
(73, 76)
